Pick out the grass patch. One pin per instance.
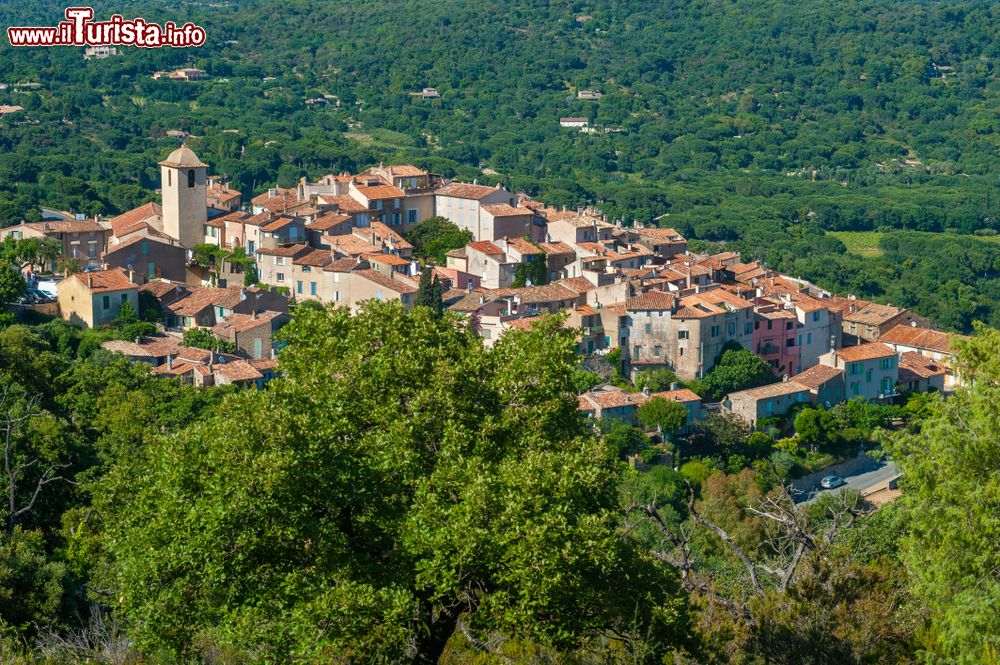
(862, 243)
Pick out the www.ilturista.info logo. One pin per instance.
(79, 30)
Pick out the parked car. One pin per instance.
(831, 482)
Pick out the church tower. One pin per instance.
(185, 207)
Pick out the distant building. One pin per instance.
(99, 52)
(574, 122)
(865, 321)
(83, 241)
(870, 370)
(7, 109)
(589, 94)
(427, 93)
(776, 399)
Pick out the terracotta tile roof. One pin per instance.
(485, 247)
(651, 300)
(393, 284)
(462, 190)
(609, 397)
(112, 279)
(281, 195)
(456, 253)
(346, 265)
(585, 310)
(135, 219)
(239, 323)
(526, 323)
(534, 294)
(580, 221)
(346, 204)
(380, 192)
(284, 250)
(122, 244)
(68, 226)
(682, 395)
(577, 284)
(316, 258)
(222, 192)
(556, 248)
(523, 247)
(279, 222)
(770, 390)
(390, 237)
(328, 221)
(868, 351)
(386, 259)
(162, 287)
(864, 312)
(264, 364)
(152, 346)
(913, 367)
(237, 370)
(504, 210)
(352, 245)
(658, 234)
(921, 338)
(470, 302)
(404, 171)
(817, 375)
(203, 297)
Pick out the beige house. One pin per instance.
(686, 333)
(93, 299)
(870, 370)
(83, 241)
(918, 373)
(250, 333)
(865, 321)
(776, 399)
(464, 203)
(929, 343)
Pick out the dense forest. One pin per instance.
(764, 125)
(404, 494)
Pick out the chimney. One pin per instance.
(90, 281)
(131, 276)
(645, 391)
(675, 386)
(138, 339)
(170, 361)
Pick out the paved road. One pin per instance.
(52, 214)
(861, 481)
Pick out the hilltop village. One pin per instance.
(635, 293)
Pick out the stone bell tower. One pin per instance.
(185, 208)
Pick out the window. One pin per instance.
(809, 338)
(682, 334)
(788, 325)
(815, 316)
(336, 296)
(888, 363)
(731, 328)
(868, 376)
(800, 340)
(790, 341)
(681, 350)
(770, 324)
(411, 216)
(279, 260)
(404, 298)
(886, 386)
(378, 295)
(170, 180)
(190, 178)
(748, 329)
(656, 351)
(649, 328)
(280, 277)
(312, 288)
(258, 349)
(856, 368)
(715, 331)
(151, 270)
(378, 205)
(106, 302)
(298, 286)
(306, 269)
(635, 351)
(855, 388)
(395, 219)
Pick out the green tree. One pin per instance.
(663, 415)
(736, 369)
(656, 380)
(411, 484)
(951, 480)
(202, 338)
(435, 237)
(429, 292)
(12, 284)
(814, 427)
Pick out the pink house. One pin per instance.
(774, 338)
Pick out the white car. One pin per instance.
(831, 482)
